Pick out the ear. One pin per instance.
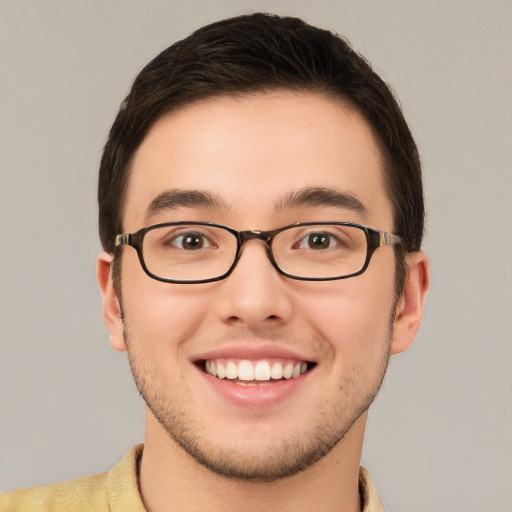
(111, 306)
(409, 310)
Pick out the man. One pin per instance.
(261, 213)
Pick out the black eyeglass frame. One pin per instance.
(374, 240)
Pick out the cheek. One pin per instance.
(156, 313)
(354, 316)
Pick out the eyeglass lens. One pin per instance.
(199, 252)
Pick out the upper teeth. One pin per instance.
(255, 370)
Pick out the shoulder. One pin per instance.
(369, 495)
(115, 491)
(89, 493)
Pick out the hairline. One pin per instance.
(325, 92)
(329, 93)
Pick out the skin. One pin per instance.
(251, 152)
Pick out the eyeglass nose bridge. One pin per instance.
(255, 234)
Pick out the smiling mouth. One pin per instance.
(263, 371)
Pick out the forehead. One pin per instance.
(253, 153)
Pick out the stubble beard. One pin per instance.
(291, 455)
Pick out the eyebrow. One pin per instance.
(321, 196)
(174, 199)
(305, 197)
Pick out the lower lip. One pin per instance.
(255, 395)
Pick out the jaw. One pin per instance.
(261, 449)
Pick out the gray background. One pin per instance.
(440, 434)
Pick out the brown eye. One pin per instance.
(190, 241)
(317, 241)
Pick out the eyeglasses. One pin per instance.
(203, 252)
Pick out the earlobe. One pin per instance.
(111, 306)
(409, 309)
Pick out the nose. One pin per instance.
(255, 295)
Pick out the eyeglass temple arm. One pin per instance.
(122, 239)
(388, 238)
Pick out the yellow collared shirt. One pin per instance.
(118, 491)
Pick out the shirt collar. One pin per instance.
(123, 487)
(370, 498)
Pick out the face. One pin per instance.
(253, 154)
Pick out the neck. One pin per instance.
(171, 480)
